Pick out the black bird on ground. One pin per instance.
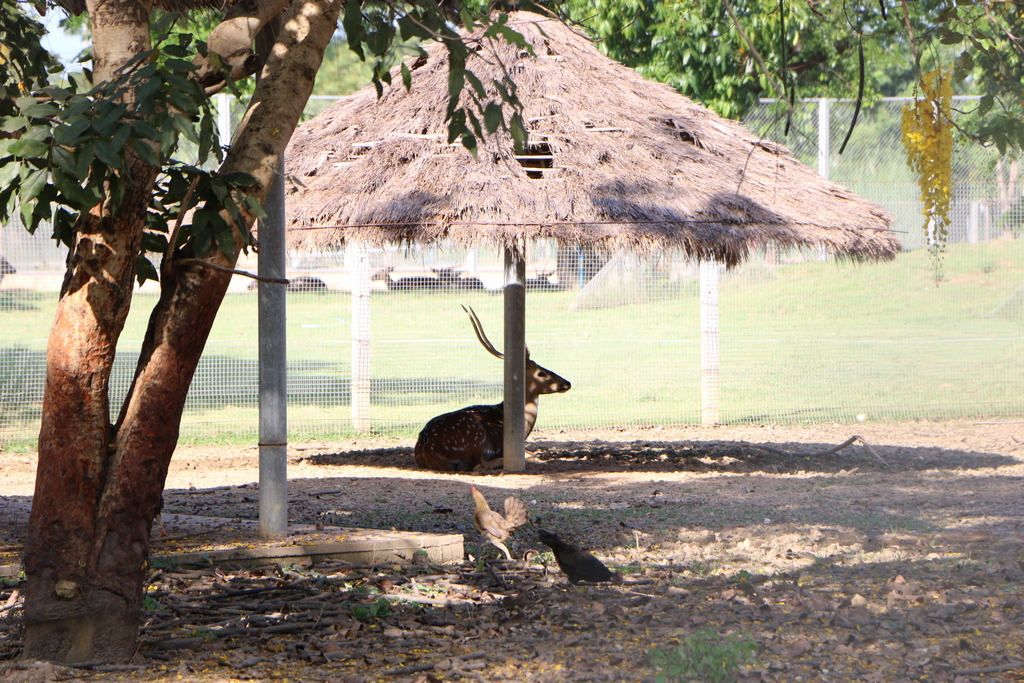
(575, 562)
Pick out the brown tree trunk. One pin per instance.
(78, 608)
(97, 488)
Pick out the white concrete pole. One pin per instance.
(273, 375)
(224, 118)
(709, 276)
(824, 151)
(358, 264)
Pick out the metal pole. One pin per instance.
(824, 152)
(824, 139)
(709, 273)
(224, 118)
(358, 265)
(272, 367)
(514, 442)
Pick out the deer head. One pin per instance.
(539, 380)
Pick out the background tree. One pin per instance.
(728, 53)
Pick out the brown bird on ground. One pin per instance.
(575, 562)
(494, 528)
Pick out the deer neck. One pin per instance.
(531, 416)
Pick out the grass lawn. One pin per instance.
(806, 342)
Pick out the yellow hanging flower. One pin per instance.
(928, 138)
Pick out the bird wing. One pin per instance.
(515, 513)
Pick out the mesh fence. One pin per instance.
(801, 339)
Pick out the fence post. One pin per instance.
(273, 384)
(709, 275)
(824, 151)
(224, 118)
(358, 266)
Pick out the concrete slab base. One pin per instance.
(193, 539)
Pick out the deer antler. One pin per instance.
(479, 329)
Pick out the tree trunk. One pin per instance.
(77, 609)
(97, 487)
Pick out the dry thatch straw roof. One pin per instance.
(633, 164)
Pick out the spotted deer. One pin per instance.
(473, 437)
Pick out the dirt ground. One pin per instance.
(900, 560)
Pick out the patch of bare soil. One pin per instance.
(895, 562)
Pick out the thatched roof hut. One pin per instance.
(613, 160)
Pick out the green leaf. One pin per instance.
(353, 25)
(456, 125)
(10, 124)
(474, 122)
(145, 92)
(8, 172)
(27, 218)
(40, 111)
(518, 130)
(120, 138)
(33, 185)
(64, 227)
(80, 106)
(226, 241)
(238, 179)
(185, 126)
(70, 134)
(73, 194)
(456, 81)
(106, 154)
(28, 149)
(85, 157)
(253, 206)
(985, 104)
(469, 142)
(145, 270)
(184, 103)
(116, 189)
(179, 65)
(478, 87)
(65, 160)
(492, 117)
(142, 129)
(203, 237)
(154, 241)
(406, 77)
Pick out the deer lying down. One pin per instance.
(473, 437)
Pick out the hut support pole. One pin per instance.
(514, 443)
(709, 274)
(358, 265)
(273, 385)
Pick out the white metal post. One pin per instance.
(358, 266)
(824, 151)
(709, 275)
(224, 118)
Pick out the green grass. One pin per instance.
(801, 343)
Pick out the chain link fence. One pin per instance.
(802, 338)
